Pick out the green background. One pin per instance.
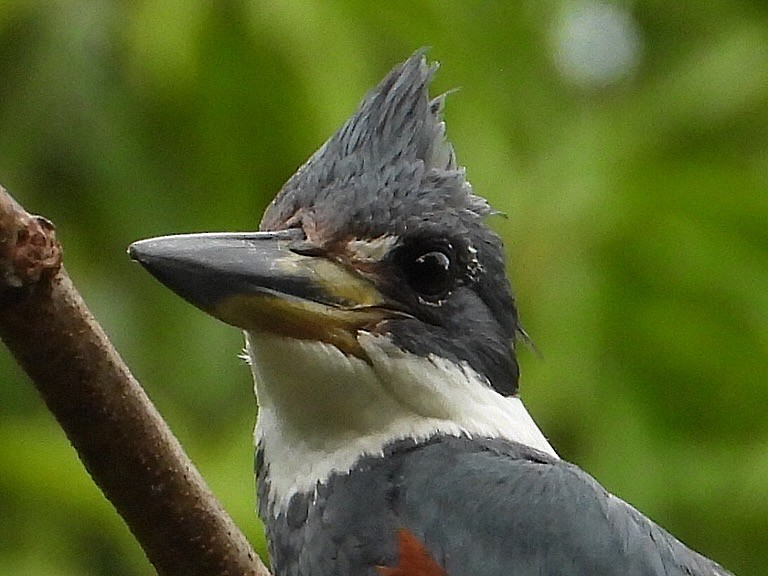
(637, 231)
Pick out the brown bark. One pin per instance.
(120, 437)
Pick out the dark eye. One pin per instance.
(431, 271)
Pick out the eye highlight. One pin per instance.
(431, 269)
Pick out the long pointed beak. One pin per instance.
(256, 282)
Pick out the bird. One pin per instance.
(382, 333)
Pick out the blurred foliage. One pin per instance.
(637, 231)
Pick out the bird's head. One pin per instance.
(374, 297)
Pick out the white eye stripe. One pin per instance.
(371, 250)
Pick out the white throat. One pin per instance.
(320, 410)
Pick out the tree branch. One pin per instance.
(122, 440)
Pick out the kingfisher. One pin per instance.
(381, 330)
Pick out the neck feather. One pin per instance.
(320, 411)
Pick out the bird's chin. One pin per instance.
(302, 319)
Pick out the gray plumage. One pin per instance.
(387, 168)
(483, 507)
(390, 172)
(381, 328)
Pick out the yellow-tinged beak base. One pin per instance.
(256, 282)
(300, 319)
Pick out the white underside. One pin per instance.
(320, 410)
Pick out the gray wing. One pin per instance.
(502, 509)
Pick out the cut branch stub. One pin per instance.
(29, 250)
